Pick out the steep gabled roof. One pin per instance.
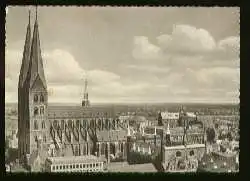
(26, 56)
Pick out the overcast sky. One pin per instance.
(130, 54)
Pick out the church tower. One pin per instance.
(33, 123)
(85, 101)
(22, 96)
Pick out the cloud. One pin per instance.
(185, 38)
(143, 49)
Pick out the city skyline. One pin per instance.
(131, 54)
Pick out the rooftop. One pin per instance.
(183, 146)
(111, 135)
(75, 159)
(125, 167)
(79, 112)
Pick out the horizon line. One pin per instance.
(194, 102)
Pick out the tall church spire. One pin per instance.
(26, 56)
(36, 69)
(85, 102)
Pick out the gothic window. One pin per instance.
(35, 125)
(41, 110)
(77, 123)
(62, 124)
(36, 139)
(191, 153)
(44, 138)
(35, 98)
(113, 124)
(41, 98)
(70, 123)
(84, 124)
(107, 124)
(99, 123)
(35, 111)
(43, 124)
(55, 123)
(178, 154)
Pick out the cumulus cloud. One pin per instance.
(143, 49)
(187, 38)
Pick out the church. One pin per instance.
(47, 131)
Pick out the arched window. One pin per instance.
(41, 98)
(178, 154)
(35, 111)
(44, 138)
(99, 123)
(35, 98)
(41, 110)
(77, 123)
(36, 139)
(84, 123)
(43, 124)
(62, 124)
(55, 123)
(113, 125)
(107, 124)
(191, 153)
(35, 125)
(70, 123)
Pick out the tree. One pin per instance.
(210, 135)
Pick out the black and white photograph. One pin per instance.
(122, 89)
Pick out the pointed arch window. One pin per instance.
(113, 124)
(35, 111)
(99, 123)
(35, 98)
(43, 124)
(55, 123)
(41, 98)
(62, 124)
(77, 123)
(35, 125)
(44, 138)
(41, 110)
(70, 123)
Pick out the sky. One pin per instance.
(130, 54)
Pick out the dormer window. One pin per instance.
(35, 98)
(35, 111)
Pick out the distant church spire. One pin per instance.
(85, 101)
